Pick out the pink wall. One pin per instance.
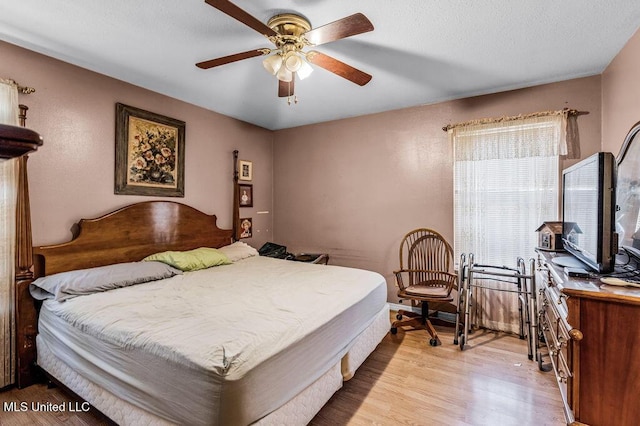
(621, 95)
(354, 187)
(72, 175)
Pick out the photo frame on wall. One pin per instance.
(246, 170)
(149, 153)
(246, 194)
(246, 227)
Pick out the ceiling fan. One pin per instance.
(291, 33)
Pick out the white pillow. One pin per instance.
(238, 251)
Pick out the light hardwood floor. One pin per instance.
(403, 382)
(407, 382)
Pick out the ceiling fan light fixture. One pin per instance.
(272, 63)
(293, 62)
(284, 74)
(305, 70)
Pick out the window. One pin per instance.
(506, 183)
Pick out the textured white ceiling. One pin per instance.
(421, 51)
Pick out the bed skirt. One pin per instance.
(298, 411)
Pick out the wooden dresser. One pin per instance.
(592, 332)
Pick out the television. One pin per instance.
(588, 212)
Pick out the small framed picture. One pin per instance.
(246, 195)
(246, 225)
(246, 170)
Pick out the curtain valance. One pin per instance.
(518, 136)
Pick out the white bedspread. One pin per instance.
(226, 345)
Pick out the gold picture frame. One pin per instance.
(246, 170)
(149, 153)
(246, 227)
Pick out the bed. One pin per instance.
(254, 340)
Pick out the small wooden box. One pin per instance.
(550, 236)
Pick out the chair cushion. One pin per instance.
(426, 291)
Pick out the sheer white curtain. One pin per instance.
(506, 184)
(8, 197)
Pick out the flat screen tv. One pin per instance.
(588, 211)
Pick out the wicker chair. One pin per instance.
(424, 276)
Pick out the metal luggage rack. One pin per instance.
(472, 275)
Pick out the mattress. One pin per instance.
(227, 345)
(298, 411)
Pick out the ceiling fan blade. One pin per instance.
(235, 12)
(338, 67)
(342, 28)
(285, 89)
(231, 58)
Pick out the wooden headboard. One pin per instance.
(129, 234)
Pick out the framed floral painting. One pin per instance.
(149, 153)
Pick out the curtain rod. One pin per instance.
(22, 89)
(567, 111)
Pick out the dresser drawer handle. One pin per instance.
(575, 334)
